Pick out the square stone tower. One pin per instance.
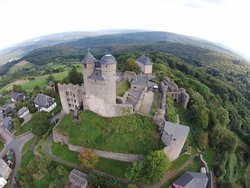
(100, 83)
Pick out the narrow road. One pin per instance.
(16, 146)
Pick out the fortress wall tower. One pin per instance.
(71, 96)
(100, 84)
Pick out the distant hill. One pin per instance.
(19, 50)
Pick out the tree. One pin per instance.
(203, 140)
(17, 88)
(40, 122)
(88, 159)
(156, 165)
(150, 170)
(223, 116)
(17, 124)
(24, 178)
(135, 171)
(75, 77)
(131, 65)
(51, 78)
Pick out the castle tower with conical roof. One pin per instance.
(100, 83)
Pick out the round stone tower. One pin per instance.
(100, 83)
(108, 67)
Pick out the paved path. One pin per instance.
(16, 145)
(147, 102)
(6, 135)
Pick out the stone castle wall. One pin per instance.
(71, 96)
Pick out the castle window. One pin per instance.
(67, 93)
(74, 95)
(74, 101)
(68, 99)
(106, 66)
(69, 104)
(85, 65)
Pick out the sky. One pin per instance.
(222, 21)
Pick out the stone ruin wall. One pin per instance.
(179, 94)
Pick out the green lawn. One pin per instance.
(64, 153)
(114, 167)
(26, 158)
(27, 145)
(126, 134)
(1, 144)
(124, 86)
(208, 156)
(43, 182)
(181, 160)
(155, 103)
(42, 82)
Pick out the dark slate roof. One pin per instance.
(8, 123)
(78, 178)
(108, 59)
(97, 75)
(22, 110)
(7, 108)
(192, 180)
(16, 95)
(44, 101)
(144, 60)
(89, 58)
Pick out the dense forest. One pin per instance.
(218, 84)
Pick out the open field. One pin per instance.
(21, 65)
(17, 82)
(127, 134)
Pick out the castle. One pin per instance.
(98, 93)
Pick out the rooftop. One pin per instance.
(108, 59)
(144, 60)
(78, 179)
(44, 100)
(89, 58)
(192, 180)
(173, 131)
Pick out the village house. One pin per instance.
(44, 103)
(145, 64)
(23, 113)
(16, 96)
(77, 179)
(9, 124)
(191, 180)
(8, 108)
(5, 170)
(3, 182)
